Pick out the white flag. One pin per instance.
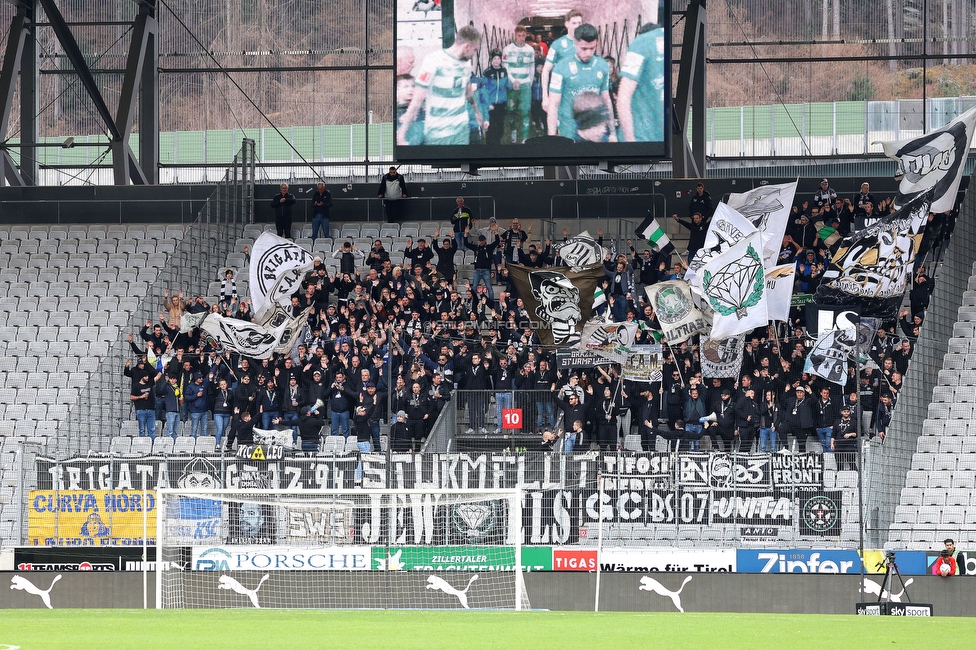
(675, 309)
(288, 335)
(640, 363)
(933, 161)
(190, 321)
(597, 335)
(768, 209)
(727, 228)
(735, 285)
(779, 291)
(250, 339)
(277, 268)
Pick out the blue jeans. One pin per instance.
(199, 424)
(767, 441)
(340, 420)
(483, 275)
(374, 432)
(569, 441)
(696, 429)
(619, 308)
(502, 401)
(222, 420)
(291, 419)
(266, 418)
(459, 240)
(544, 415)
(172, 423)
(825, 434)
(147, 423)
(320, 222)
(363, 447)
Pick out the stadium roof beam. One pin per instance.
(688, 161)
(136, 80)
(16, 64)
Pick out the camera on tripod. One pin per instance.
(887, 561)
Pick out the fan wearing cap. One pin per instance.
(824, 195)
(844, 439)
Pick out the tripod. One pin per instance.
(891, 570)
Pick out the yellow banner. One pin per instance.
(90, 518)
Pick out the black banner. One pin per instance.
(820, 513)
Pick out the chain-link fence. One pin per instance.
(103, 403)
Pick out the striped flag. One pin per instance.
(652, 231)
(599, 298)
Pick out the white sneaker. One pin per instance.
(470, 430)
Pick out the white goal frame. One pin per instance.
(514, 497)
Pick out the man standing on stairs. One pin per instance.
(281, 203)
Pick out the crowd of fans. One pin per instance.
(391, 344)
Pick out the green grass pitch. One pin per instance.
(212, 629)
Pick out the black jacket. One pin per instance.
(323, 198)
(482, 254)
(282, 205)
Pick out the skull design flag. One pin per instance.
(935, 161)
(559, 300)
(870, 268)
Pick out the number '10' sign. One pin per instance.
(511, 418)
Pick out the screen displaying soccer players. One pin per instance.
(524, 81)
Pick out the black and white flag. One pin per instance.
(250, 339)
(580, 251)
(277, 268)
(828, 357)
(935, 161)
(189, 322)
(559, 300)
(871, 267)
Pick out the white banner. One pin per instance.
(935, 161)
(277, 268)
(779, 291)
(281, 558)
(768, 209)
(734, 284)
(670, 560)
(637, 362)
(675, 309)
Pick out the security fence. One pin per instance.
(103, 403)
(643, 499)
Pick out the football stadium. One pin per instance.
(439, 323)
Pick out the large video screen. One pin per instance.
(532, 81)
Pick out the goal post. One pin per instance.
(348, 549)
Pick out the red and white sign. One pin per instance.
(511, 418)
(564, 559)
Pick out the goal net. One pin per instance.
(355, 549)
